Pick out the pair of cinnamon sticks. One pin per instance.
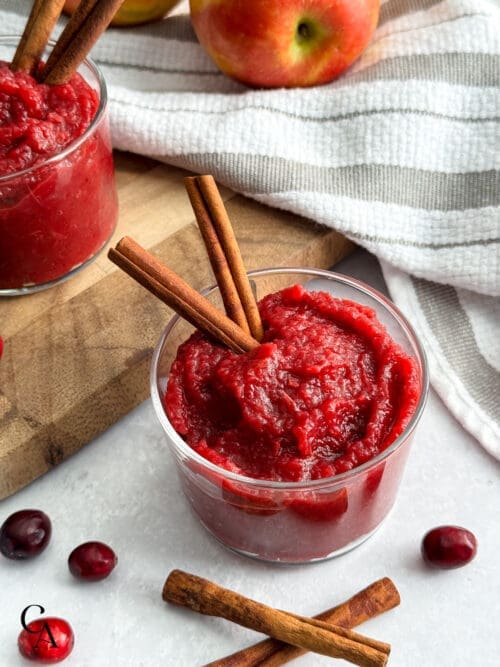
(241, 328)
(292, 635)
(88, 22)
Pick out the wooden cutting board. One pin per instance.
(77, 356)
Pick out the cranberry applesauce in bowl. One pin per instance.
(58, 202)
(294, 451)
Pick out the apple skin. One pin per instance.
(284, 43)
(133, 12)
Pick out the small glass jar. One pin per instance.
(56, 216)
(294, 522)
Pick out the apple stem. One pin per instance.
(303, 31)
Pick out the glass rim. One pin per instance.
(323, 482)
(76, 143)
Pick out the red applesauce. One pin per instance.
(326, 391)
(54, 214)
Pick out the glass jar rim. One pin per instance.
(324, 482)
(76, 143)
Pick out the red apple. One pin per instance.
(275, 43)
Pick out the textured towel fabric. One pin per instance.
(402, 154)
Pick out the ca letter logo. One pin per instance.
(43, 631)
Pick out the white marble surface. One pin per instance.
(122, 489)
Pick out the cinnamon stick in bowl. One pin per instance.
(175, 292)
(224, 253)
(88, 22)
(41, 21)
(84, 28)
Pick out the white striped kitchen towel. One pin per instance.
(402, 154)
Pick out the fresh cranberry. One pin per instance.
(92, 561)
(46, 640)
(25, 534)
(1, 347)
(447, 547)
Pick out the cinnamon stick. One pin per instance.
(206, 597)
(175, 292)
(373, 600)
(218, 260)
(78, 17)
(224, 252)
(83, 29)
(41, 21)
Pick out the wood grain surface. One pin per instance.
(77, 356)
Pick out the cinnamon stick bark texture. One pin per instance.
(223, 250)
(77, 19)
(164, 283)
(373, 600)
(218, 260)
(206, 597)
(82, 31)
(41, 22)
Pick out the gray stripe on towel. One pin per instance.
(466, 69)
(393, 9)
(452, 328)
(413, 29)
(313, 119)
(404, 186)
(372, 238)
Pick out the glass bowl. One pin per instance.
(292, 522)
(56, 216)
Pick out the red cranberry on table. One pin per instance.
(47, 640)
(447, 547)
(92, 561)
(25, 534)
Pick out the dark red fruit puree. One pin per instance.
(326, 391)
(57, 214)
